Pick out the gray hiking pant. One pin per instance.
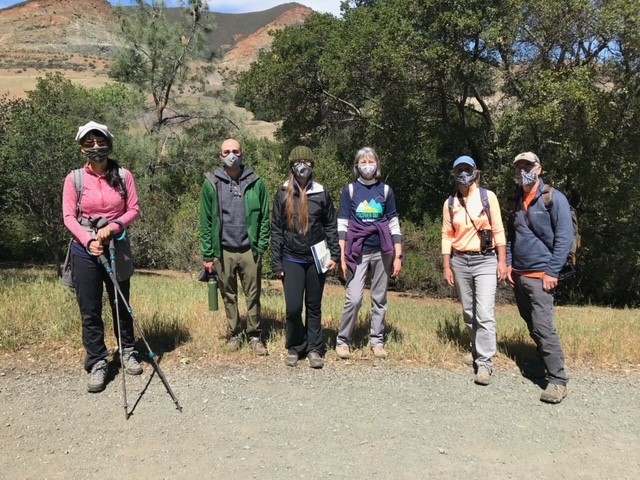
(249, 269)
(476, 282)
(536, 308)
(380, 266)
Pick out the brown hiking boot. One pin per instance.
(98, 376)
(234, 344)
(258, 347)
(379, 351)
(483, 376)
(343, 351)
(554, 393)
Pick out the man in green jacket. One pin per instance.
(234, 233)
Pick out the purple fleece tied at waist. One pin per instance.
(357, 233)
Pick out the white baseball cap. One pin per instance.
(87, 127)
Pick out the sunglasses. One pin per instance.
(227, 152)
(97, 142)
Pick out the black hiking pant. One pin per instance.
(88, 279)
(303, 286)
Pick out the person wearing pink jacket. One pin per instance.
(108, 193)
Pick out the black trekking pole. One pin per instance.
(114, 280)
(152, 355)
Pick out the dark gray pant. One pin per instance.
(89, 276)
(536, 308)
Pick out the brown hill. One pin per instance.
(58, 26)
(246, 49)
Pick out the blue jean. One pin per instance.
(536, 307)
(476, 282)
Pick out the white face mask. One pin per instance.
(232, 160)
(368, 170)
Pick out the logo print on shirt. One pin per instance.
(369, 211)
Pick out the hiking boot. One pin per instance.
(292, 358)
(131, 365)
(379, 351)
(483, 376)
(258, 347)
(234, 344)
(554, 393)
(315, 360)
(343, 351)
(97, 377)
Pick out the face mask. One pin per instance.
(97, 154)
(232, 160)
(465, 178)
(526, 179)
(302, 171)
(367, 171)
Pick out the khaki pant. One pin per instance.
(249, 269)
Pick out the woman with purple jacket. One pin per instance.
(370, 241)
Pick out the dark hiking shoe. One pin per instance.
(97, 377)
(343, 351)
(131, 365)
(554, 393)
(315, 360)
(234, 344)
(483, 376)
(292, 358)
(258, 347)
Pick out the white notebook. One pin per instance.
(321, 255)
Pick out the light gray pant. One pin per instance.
(249, 269)
(476, 281)
(380, 266)
(536, 308)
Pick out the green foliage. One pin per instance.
(38, 150)
(426, 81)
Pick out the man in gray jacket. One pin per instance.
(540, 242)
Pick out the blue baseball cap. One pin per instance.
(466, 160)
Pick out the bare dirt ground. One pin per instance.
(350, 420)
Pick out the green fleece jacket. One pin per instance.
(256, 209)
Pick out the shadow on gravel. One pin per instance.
(525, 355)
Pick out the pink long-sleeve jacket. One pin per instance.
(99, 199)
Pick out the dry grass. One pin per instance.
(39, 320)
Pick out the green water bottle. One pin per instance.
(213, 294)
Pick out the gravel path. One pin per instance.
(349, 420)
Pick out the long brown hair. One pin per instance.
(290, 207)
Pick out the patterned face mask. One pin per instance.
(97, 154)
(526, 179)
(302, 171)
(465, 178)
(367, 170)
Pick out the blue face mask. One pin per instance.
(526, 179)
(465, 178)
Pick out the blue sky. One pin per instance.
(236, 6)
